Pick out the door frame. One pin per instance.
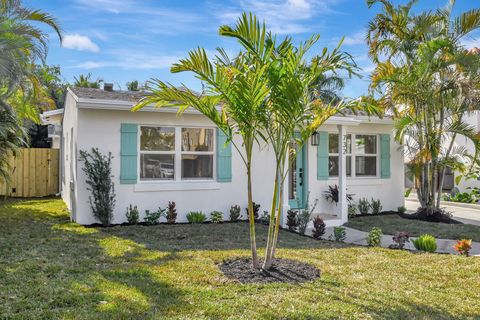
(302, 180)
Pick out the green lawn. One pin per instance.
(50, 268)
(394, 223)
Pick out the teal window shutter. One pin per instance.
(322, 156)
(385, 156)
(224, 158)
(128, 153)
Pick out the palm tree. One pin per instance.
(430, 82)
(237, 86)
(84, 81)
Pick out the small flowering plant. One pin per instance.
(463, 246)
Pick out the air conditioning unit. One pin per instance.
(54, 130)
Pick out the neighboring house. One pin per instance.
(53, 119)
(160, 156)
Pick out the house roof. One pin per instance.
(92, 93)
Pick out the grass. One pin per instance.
(394, 223)
(51, 268)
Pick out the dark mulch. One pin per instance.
(282, 270)
(431, 215)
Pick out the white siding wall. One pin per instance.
(101, 128)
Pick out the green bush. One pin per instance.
(265, 218)
(235, 213)
(216, 217)
(374, 238)
(376, 206)
(352, 210)
(339, 234)
(425, 243)
(303, 220)
(196, 217)
(401, 209)
(133, 217)
(364, 206)
(466, 197)
(98, 171)
(153, 217)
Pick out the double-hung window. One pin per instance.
(361, 155)
(176, 153)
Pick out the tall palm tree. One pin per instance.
(425, 76)
(237, 86)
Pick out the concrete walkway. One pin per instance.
(359, 237)
(466, 213)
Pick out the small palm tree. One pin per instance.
(84, 81)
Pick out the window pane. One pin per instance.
(157, 166)
(197, 166)
(157, 139)
(197, 139)
(365, 166)
(365, 144)
(333, 143)
(333, 166)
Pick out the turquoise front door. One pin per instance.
(297, 180)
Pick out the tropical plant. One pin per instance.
(466, 197)
(364, 206)
(171, 212)
(318, 227)
(256, 210)
(235, 213)
(376, 206)
(265, 218)
(292, 219)
(400, 239)
(463, 246)
(12, 137)
(332, 194)
(216, 217)
(304, 217)
(85, 81)
(98, 171)
(132, 215)
(401, 209)
(153, 217)
(374, 237)
(352, 210)
(133, 86)
(238, 85)
(196, 217)
(339, 234)
(429, 82)
(425, 243)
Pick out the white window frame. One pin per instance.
(177, 176)
(353, 154)
(336, 154)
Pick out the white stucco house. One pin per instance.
(161, 157)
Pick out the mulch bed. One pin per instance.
(282, 270)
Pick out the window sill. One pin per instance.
(176, 186)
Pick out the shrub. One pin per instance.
(303, 220)
(265, 218)
(234, 213)
(196, 217)
(318, 227)
(332, 194)
(153, 217)
(376, 206)
(292, 220)
(401, 209)
(463, 246)
(363, 206)
(171, 212)
(374, 238)
(216, 217)
(98, 169)
(133, 217)
(256, 210)
(352, 210)
(400, 239)
(339, 234)
(426, 243)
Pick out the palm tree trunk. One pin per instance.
(267, 263)
(251, 215)
(277, 219)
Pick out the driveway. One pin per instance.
(462, 213)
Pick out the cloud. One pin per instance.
(79, 42)
(471, 43)
(283, 17)
(357, 38)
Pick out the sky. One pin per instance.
(123, 40)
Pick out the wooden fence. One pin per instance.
(34, 174)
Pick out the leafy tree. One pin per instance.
(12, 137)
(430, 84)
(84, 81)
(55, 88)
(237, 85)
(133, 86)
